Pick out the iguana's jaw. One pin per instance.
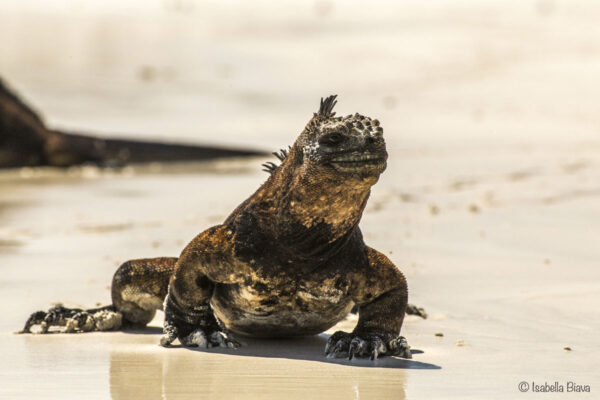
(362, 163)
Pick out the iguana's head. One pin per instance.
(318, 193)
(340, 148)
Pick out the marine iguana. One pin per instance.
(288, 261)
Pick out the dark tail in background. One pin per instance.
(26, 141)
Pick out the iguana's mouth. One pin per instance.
(352, 162)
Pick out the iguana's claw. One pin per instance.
(34, 319)
(199, 338)
(221, 339)
(195, 339)
(357, 346)
(170, 334)
(343, 344)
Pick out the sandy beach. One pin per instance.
(489, 204)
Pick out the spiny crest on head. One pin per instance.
(325, 110)
(326, 107)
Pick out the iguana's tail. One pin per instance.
(27, 141)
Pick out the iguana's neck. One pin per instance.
(309, 213)
(337, 204)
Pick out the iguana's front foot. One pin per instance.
(194, 328)
(343, 344)
(199, 337)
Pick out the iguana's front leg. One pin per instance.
(207, 260)
(381, 293)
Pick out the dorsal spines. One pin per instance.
(281, 155)
(269, 167)
(326, 106)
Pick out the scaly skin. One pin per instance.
(290, 260)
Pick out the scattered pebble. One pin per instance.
(519, 175)
(460, 343)
(546, 261)
(323, 8)
(462, 184)
(406, 197)
(474, 208)
(439, 334)
(567, 348)
(389, 102)
(146, 73)
(574, 167)
(434, 210)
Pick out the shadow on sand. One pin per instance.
(312, 349)
(304, 348)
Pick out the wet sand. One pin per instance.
(509, 283)
(489, 204)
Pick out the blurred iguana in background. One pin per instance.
(25, 140)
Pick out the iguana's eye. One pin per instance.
(331, 139)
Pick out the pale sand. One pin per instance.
(489, 205)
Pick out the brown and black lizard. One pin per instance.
(288, 261)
